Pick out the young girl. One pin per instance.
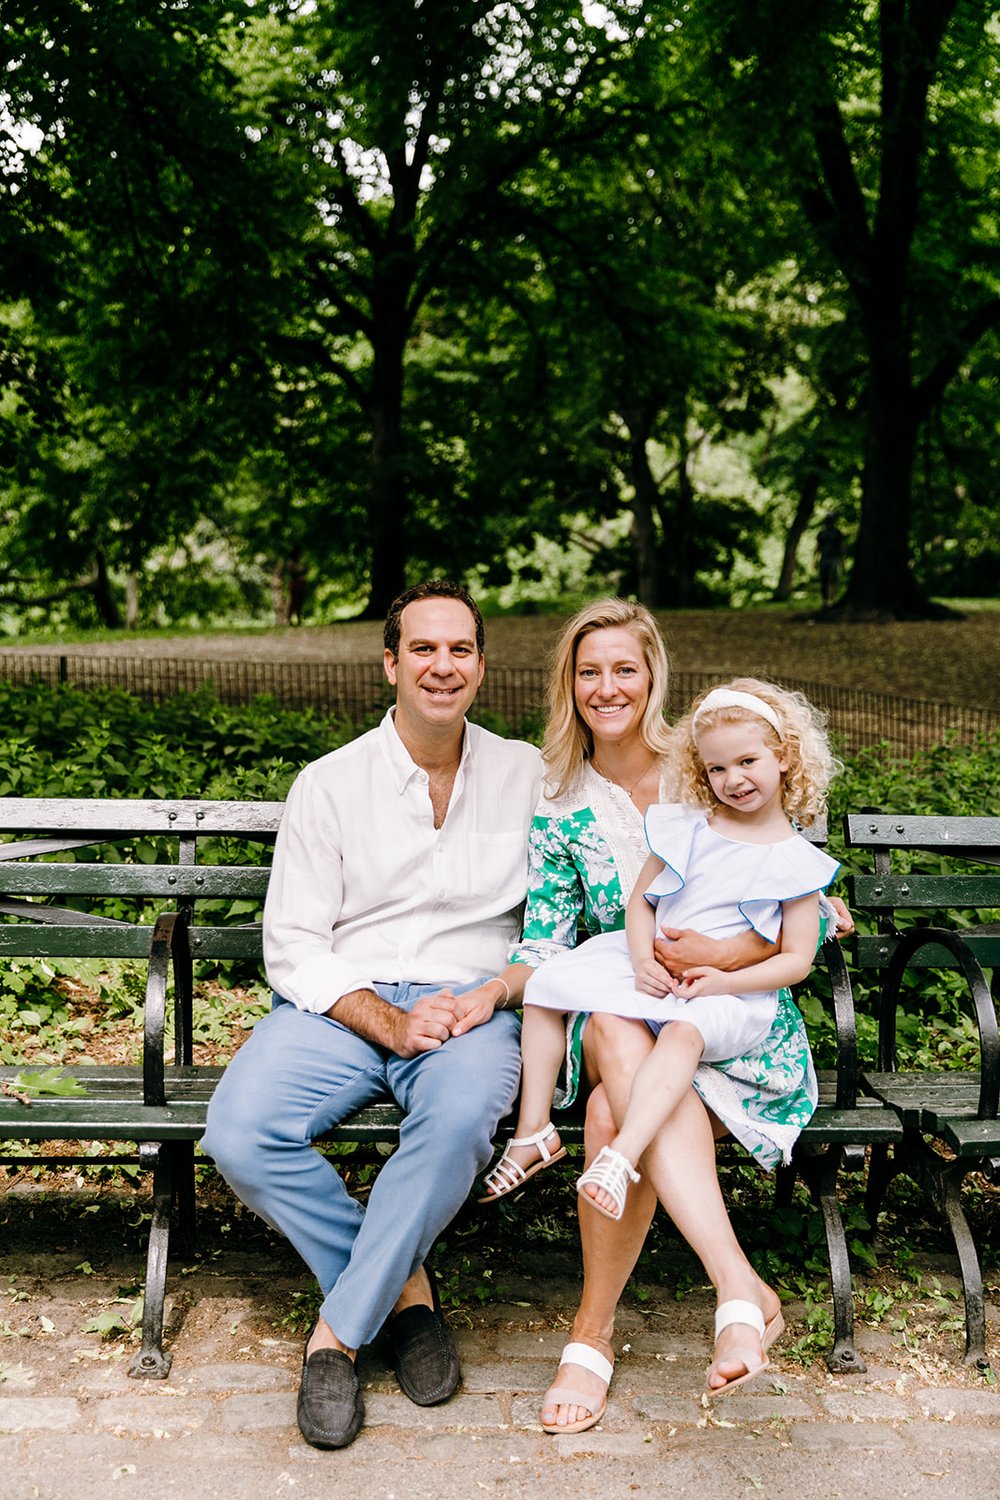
(746, 759)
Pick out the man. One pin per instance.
(399, 870)
(830, 559)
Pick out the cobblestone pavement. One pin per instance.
(72, 1424)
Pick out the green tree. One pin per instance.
(881, 120)
(145, 237)
(406, 122)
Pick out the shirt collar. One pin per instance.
(402, 767)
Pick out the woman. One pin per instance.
(604, 748)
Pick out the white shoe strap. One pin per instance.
(591, 1359)
(537, 1140)
(739, 1312)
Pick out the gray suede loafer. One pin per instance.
(424, 1356)
(331, 1407)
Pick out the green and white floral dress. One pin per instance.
(586, 849)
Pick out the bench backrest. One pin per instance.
(926, 886)
(34, 881)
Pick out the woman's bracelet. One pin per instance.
(506, 990)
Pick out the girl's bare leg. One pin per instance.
(662, 1080)
(543, 1047)
(610, 1250)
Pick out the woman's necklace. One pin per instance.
(628, 790)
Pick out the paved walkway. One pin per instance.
(73, 1426)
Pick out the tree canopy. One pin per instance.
(391, 288)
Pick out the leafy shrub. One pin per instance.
(935, 1028)
(63, 741)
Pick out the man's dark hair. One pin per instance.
(436, 588)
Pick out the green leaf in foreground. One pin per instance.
(49, 1081)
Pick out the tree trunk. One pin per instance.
(881, 582)
(808, 492)
(388, 498)
(681, 543)
(104, 600)
(132, 601)
(645, 497)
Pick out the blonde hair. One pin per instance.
(568, 743)
(803, 739)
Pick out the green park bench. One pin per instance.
(931, 870)
(158, 1109)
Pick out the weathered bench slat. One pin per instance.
(879, 892)
(963, 837)
(875, 951)
(128, 816)
(231, 882)
(28, 940)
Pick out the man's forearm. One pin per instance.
(745, 949)
(691, 948)
(373, 1018)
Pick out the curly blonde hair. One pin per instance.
(803, 740)
(568, 743)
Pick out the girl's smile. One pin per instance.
(743, 770)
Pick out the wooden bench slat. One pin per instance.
(43, 940)
(104, 818)
(875, 950)
(882, 892)
(966, 837)
(230, 882)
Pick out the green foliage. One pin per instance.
(50, 1081)
(65, 742)
(935, 1026)
(122, 1316)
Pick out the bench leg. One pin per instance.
(843, 1357)
(819, 1170)
(942, 1180)
(151, 1362)
(882, 1168)
(946, 1189)
(184, 1195)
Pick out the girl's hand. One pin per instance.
(651, 978)
(703, 980)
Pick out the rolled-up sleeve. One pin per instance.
(303, 904)
(555, 896)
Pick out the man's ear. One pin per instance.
(389, 666)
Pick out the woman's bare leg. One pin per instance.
(610, 1250)
(680, 1164)
(661, 1081)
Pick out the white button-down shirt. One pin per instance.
(365, 889)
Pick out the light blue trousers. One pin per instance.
(299, 1074)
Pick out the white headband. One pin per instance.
(731, 698)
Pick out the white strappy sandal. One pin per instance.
(590, 1359)
(749, 1314)
(613, 1172)
(506, 1177)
